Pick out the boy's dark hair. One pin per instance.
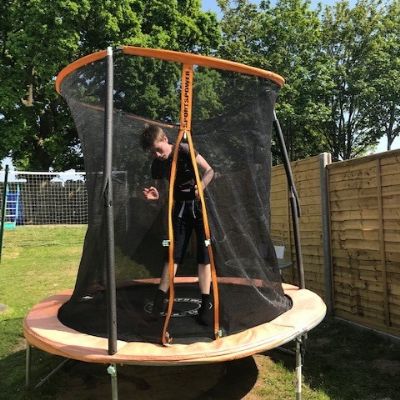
(150, 134)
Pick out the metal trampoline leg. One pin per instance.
(112, 370)
(299, 350)
(28, 365)
(51, 373)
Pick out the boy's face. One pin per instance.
(161, 149)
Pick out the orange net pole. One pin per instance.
(185, 132)
(185, 125)
(165, 338)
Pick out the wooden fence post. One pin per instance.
(325, 159)
(382, 242)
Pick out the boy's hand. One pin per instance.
(151, 193)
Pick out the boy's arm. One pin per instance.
(151, 193)
(154, 192)
(207, 171)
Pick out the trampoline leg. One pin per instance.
(299, 350)
(112, 370)
(28, 365)
(49, 375)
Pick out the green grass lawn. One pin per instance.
(341, 362)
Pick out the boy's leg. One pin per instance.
(161, 294)
(181, 239)
(182, 231)
(204, 271)
(164, 283)
(203, 260)
(205, 315)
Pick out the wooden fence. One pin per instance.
(350, 234)
(364, 202)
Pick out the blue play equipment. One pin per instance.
(12, 207)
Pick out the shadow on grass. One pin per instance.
(349, 363)
(83, 381)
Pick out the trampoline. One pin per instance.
(44, 330)
(224, 111)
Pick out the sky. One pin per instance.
(211, 5)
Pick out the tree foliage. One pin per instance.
(39, 38)
(349, 44)
(341, 66)
(281, 38)
(382, 112)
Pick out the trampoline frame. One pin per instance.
(42, 321)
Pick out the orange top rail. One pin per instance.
(169, 55)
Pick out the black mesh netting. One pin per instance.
(232, 124)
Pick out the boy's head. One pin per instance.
(155, 140)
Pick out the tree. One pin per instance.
(34, 122)
(240, 26)
(282, 38)
(383, 111)
(37, 39)
(349, 46)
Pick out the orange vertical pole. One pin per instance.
(185, 132)
(185, 126)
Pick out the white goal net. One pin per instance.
(45, 198)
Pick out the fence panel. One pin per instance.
(364, 198)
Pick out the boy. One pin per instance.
(187, 214)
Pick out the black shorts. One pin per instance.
(187, 216)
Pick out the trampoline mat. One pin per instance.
(135, 322)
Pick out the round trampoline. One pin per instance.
(43, 329)
(223, 111)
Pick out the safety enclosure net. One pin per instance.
(231, 129)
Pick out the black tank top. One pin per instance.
(185, 181)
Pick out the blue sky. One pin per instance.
(211, 5)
